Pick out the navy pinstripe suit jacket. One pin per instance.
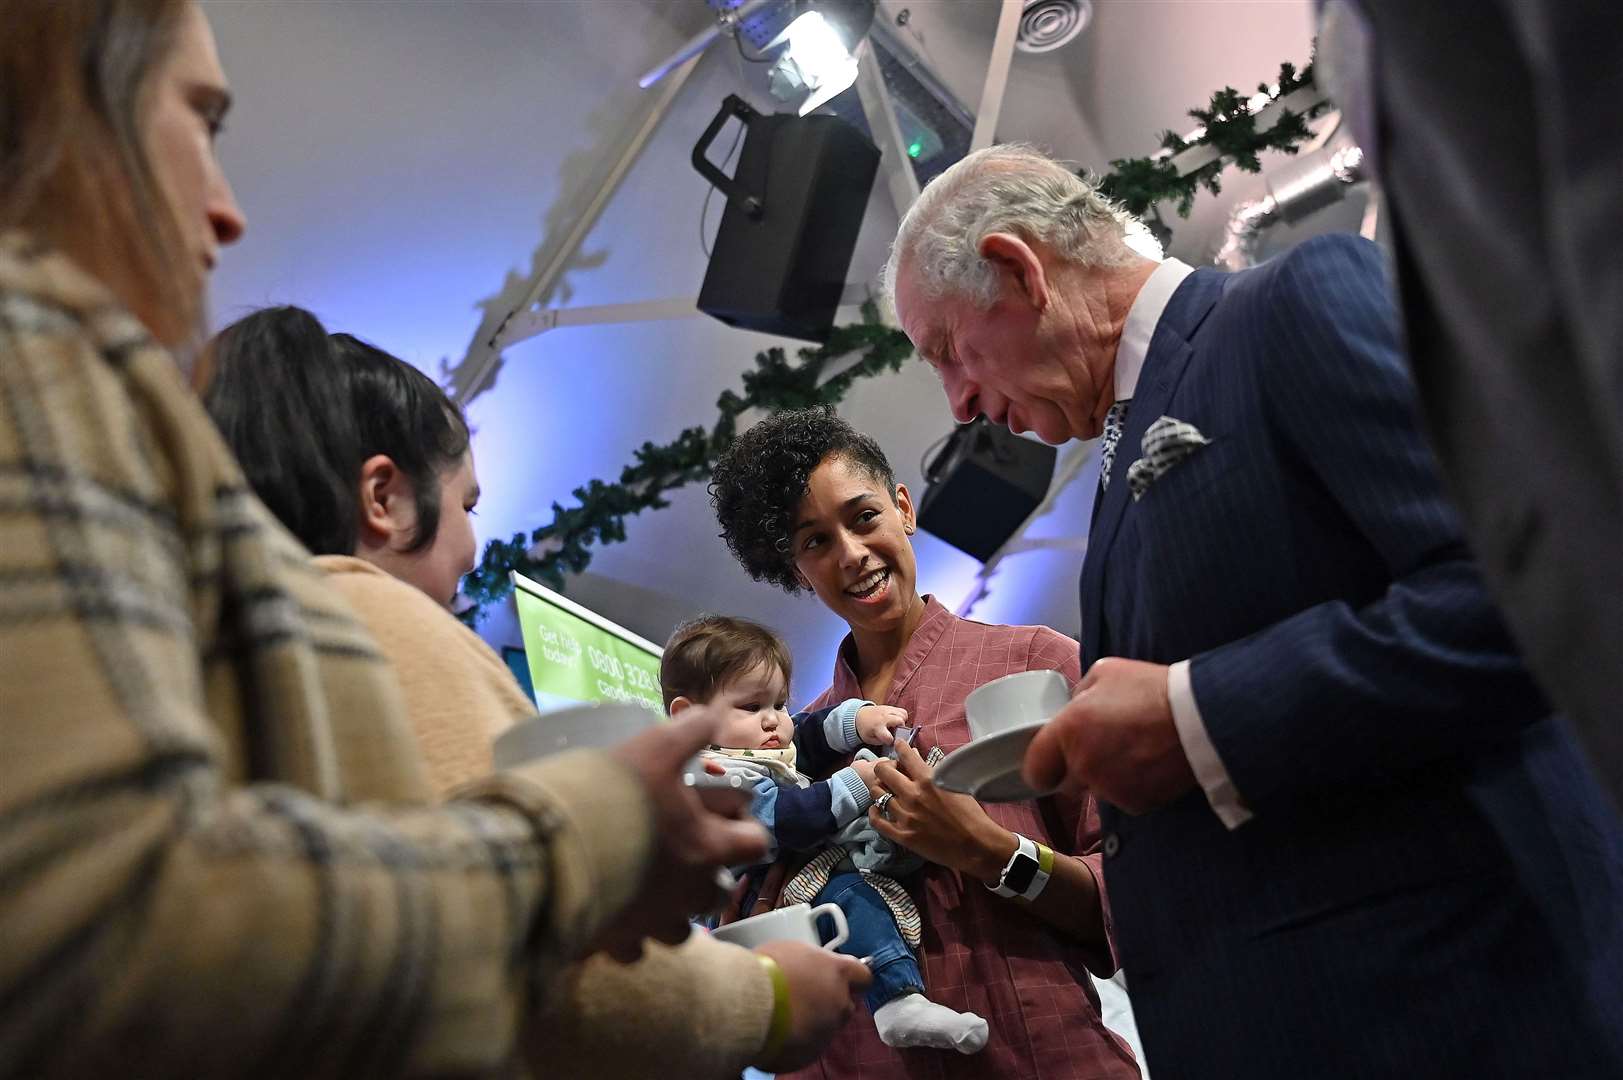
(1431, 886)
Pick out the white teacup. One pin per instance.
(797, 922)
(1026, 697)
(590, 726)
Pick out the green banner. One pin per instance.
(576, 656)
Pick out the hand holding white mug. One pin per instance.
(1115, 738)
(692, 840)
(820, 987)
(792, 922)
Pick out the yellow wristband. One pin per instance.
(1045, 859)
(778, 1032)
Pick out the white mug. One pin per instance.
(1026, 697)
(796, 922)
(593, 726)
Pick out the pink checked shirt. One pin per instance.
(983, 953)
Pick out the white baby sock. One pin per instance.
(915, 1020)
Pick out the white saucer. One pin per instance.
(989, 768)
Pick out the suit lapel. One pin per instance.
(1164, 364)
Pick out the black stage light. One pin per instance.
(794, 207)
(982, 485)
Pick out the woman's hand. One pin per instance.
(942, 826)
(820, 987)
(696, 833)
(875, 723)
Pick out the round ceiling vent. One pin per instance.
(1046, 25)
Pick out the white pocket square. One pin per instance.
(1167, 442)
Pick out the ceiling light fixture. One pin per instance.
(817, 62)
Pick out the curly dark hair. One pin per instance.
(762, 477)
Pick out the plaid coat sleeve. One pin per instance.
(186, 886)
(698, 1011)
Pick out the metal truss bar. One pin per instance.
(548, 275)
(528, 324)
(997, 75)
(900, 178)
(726, 23)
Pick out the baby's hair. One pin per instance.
(706, 653)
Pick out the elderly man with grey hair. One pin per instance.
(1322, 759)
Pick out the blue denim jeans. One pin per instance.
(874, 934)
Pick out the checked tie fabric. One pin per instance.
(1115, 422)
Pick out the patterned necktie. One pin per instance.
(1115, 421)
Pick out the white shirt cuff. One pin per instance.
(1197, 747)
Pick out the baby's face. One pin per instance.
(753, 712)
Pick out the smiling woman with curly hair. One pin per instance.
(806, 502)
(758, 484)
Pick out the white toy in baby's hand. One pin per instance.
(702, 779)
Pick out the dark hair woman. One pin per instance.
(355, 451)
(345, 442)
(193, 720)
(808, 503)
(367, 462)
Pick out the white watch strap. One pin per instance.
(1026, 849)
(1039, 880)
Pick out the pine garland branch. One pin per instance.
(1230, 128)
(598, 514)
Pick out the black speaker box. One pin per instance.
(982, 485)
(795, 204)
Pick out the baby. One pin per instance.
(742, 669)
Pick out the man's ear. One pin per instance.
(1020, 261)
(387, 508)
(679, 705)
(805, 582)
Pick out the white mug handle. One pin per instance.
(844, 931)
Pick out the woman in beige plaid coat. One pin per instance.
(218, 850)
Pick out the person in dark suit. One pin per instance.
(1345, 836)
(1498, 140)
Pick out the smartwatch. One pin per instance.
(1027, 872)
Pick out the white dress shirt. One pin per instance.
(1136, 332)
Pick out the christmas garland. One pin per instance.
(598, 517)
(563, 546)
(1230, 126)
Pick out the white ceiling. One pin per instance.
(1134, 72)
(402, 161)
